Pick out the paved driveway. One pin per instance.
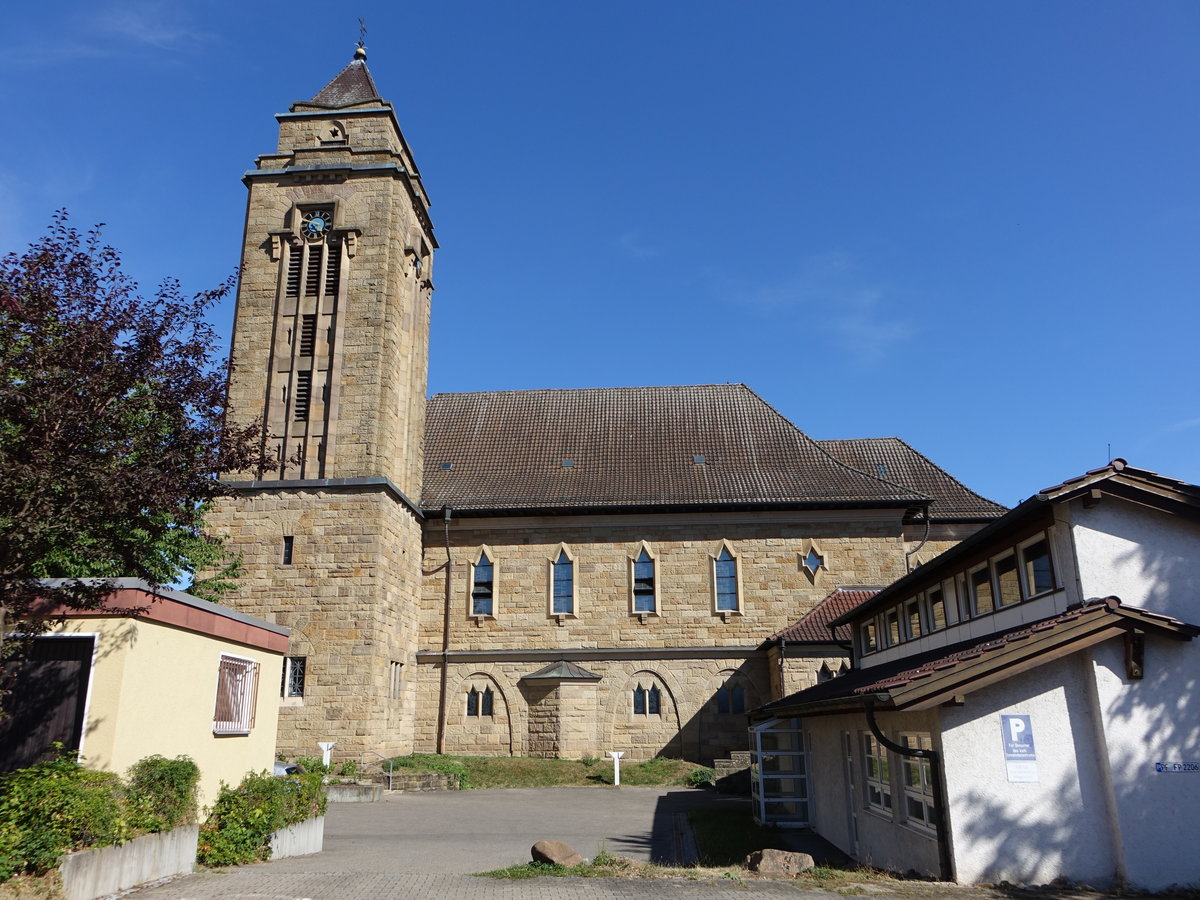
(474, 831)
(423, 845)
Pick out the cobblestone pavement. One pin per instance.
(261, 883)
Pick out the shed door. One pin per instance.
(46, 701)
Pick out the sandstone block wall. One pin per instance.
(349, 598)
(776, 589)
(574, 720)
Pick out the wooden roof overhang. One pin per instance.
(933, 679)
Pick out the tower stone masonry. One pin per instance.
(330, 350)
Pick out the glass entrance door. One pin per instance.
(779, 773)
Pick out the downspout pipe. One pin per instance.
(936, 775)
(441, 728)
(924, 540)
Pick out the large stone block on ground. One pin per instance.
(778, 862)
(555, 852)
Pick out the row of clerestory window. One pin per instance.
(644, 595)
(1015, 574)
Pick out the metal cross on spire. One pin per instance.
(360, 52)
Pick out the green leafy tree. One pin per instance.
(112, 432)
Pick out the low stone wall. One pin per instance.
(424, 781)
(733, 774)
(354, 793)
(300, 839)
(95, 873)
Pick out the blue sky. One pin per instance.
(975, 226)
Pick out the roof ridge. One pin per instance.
(886, 481)
(561, 390)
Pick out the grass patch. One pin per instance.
(725, 837)
(520, 771)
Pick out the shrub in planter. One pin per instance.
(56, 806)
(239, 828)
(161, 793)
(53, 807)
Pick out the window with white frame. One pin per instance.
(1008, 582)
(1037, 567)
(878, 774)
(913, 626)
(294, 668)
(867, 639)
(237, 692)
(483, 583)
(725, 582)
(935, 600)
(891, 620)
(918, 782)
(645, 596)
(562, 585)
(982, 598)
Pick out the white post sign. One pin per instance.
(616, 756)
(1020, 758)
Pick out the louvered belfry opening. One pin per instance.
(306, 328)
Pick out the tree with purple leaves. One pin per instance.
(112, 431)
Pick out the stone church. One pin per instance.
(547, 572)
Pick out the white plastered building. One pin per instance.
(1024, 706)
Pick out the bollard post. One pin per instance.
(326, 750)
(616, 755)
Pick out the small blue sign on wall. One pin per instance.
(1020, 756)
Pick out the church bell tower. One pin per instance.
(330, 350)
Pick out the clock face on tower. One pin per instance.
(316, 224)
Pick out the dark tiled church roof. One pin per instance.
(813, 626)
(894, 460)
(593, 448)
(350, 86)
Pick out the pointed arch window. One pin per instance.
(483, 581)
(727, 597)
(731, 698)
(645, 596)
(479, 703)
(647, 701)
(562, 585)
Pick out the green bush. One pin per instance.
(313, 765)
(54, 807)
(701, 777)
(162, 792)
(238, 829)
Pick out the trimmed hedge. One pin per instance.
(239, 828)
